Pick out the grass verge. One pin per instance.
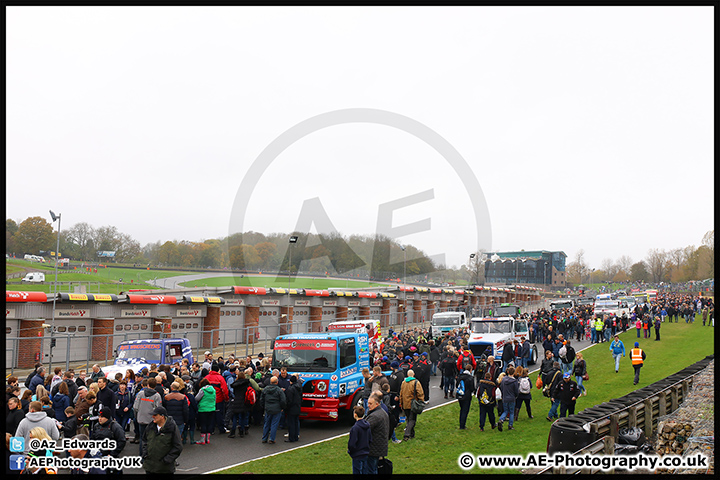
(439, 442)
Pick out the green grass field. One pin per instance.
(318, 283)
(439, 442)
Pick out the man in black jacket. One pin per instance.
(293, 396)
(508, 354)
(380, 431)
(553, 379)
(107, 428)
(162, 443)
(566, 392)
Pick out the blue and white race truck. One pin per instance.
(489, 335)
(330, 366)
(138, 354)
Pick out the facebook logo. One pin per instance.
(17, 462)
(17, 444)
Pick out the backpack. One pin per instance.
(485, 398)
(466, 363)
(562, 352)
(250, 396)
(461, 389)
(525, 385)
(29, 377)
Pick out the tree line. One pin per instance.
(366, 256)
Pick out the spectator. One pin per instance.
(465, 388)
(106, 397)
(294, 404)
(14, 416)
(83, 454)
(96, 373)
(36, 418)
(274, 402)
(524, 392)
(618, 349)
(146, 401)
(410, 390)
(68, 428)
(61, 401)
(108, 428)
(222, 395)
(37, 379)
(162, 444)
(509, 388)
(206, 410)
(552, 380)
(239, 409)
(379, 430)
(486, 400)
(124, 410)
(566, 392)
(80, 380)
(359, 442)
(176, 404)
(580, 370)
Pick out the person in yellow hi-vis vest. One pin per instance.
(637, 357)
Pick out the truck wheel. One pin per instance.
(348, 414)
(533, 355)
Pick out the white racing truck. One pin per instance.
(489, 335)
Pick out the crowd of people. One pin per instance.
(162, 408)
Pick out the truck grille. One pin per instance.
(479, 349)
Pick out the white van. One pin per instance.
(371, 327)
(34, 277)
(447, 321)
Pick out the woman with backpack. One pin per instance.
(239, 409)
(525, 392)
(486, 400)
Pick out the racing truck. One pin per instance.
(489, 335)
(138, 354)
(330, 367)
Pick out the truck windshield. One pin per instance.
(612, 304)
(441, 321)
(151, 353)
(560, 305)
(307, 355)
(505, 310)
(491, 326)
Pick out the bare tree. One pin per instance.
(657, 261)
(624, 263)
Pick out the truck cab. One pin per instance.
(138, 354)
(489, 335)
(329, 365)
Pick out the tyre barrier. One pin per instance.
(569, 435)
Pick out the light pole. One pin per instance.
(404, 287)
(57, 253)
(472, 255)
(293, 240)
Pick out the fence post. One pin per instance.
(632, 417)
(648, 417)
(614, 424)
(674, 398)
(662, 404)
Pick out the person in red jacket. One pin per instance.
(221, 396)
(466, 360)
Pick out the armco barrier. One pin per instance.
(631, 410)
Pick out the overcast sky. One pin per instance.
(583, 128)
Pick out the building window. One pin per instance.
(62, 329)
(118, 328)
(128, 326)
(136, 326)
(82, 328)
(143, 327)
(71, 329)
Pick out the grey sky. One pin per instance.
(586, 128)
